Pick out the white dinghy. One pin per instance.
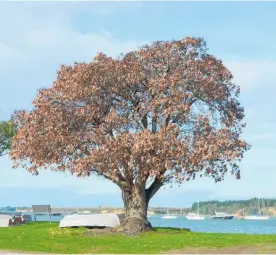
(109, 220)
(6, 220)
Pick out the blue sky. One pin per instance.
(36, 38)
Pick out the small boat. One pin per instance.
(55, 214)
(108, 220)
(169, 216)
(260, 216)
(256, 217)
(195, 216)
(222, 216)
(6, 220)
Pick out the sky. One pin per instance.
(37, 37)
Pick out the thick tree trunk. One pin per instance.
(136, 207)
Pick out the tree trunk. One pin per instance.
(136, 207)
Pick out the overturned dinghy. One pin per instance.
(6, 220)
(108, 220)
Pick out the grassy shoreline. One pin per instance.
(48, 238)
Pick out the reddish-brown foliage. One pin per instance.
(166, 111)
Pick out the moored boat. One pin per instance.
(222, 216)
(195, 216)
(56, 214)
(260, 216)
(256, 217)
(169, 216)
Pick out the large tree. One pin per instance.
(161, 114)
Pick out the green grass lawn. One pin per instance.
(45, 237)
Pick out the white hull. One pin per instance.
(5, 220)
(256, 217)
(195, 217)
(169, 217)
(90, 220)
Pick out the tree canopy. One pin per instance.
(163, 113)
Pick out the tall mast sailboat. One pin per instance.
(195, 216)
(260, 216)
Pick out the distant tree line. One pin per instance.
(8, 209)
(249, 206)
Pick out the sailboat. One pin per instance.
(195, 216)
(257, 217)
(169, 216)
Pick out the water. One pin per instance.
(207, 225)
(218, 226)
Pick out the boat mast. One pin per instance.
(259, 207)
(265, 207)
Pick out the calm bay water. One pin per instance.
(219, 226)
(208, 225)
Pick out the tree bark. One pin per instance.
(136, 207)
(136, 200)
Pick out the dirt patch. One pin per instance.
(268, 249)
(229, 250)
(15, 252)
(101, 232)
(121, 230)
(111, 231)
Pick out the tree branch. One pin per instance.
(145, 121)
(154, 187)
(154, 124)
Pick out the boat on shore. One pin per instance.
(222, 216)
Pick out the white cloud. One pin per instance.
(250, 74)
(39, 38)
(46, 42)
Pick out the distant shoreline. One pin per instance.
(235, 207)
